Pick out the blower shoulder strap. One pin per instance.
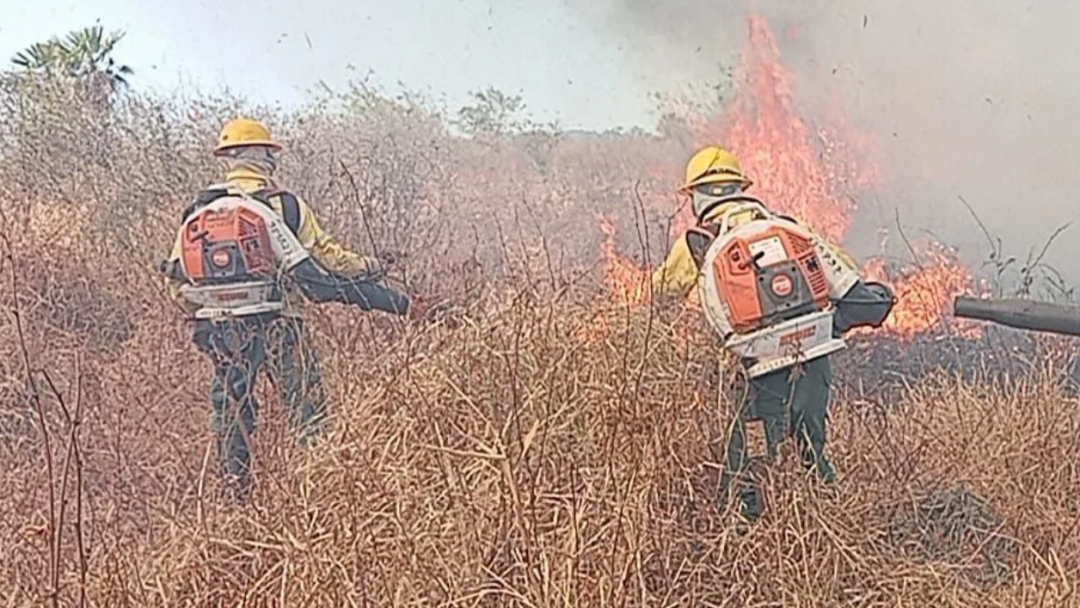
(202, 199)
(290, 205)
(698, 240)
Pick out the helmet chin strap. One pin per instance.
(702, 197)
(254, 166)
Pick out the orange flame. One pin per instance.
(926, 293)
(627, 281)
(807, 181)
(811, 175)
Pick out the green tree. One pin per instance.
(54, 83)
(493, 113)
(500, 119)
(85, 55)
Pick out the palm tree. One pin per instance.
(81, 63)
(84, 54)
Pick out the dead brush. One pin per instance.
(530, 477)
(955, 525)
(552, 449)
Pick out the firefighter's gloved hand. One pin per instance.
(423, 309)
(376, 270)
(382, 263)
(389, 259)
(417, 308)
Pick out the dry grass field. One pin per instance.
(556, 446)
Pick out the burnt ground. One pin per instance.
(875, 367)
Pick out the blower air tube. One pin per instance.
(362, 292)
(1021, 314)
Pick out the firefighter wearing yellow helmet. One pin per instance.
(792, 401)
(245, 132)
(263, 331)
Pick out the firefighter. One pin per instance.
(275, 342)
(790, 402)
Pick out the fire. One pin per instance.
(809, 173)
(627, 281)
(775, 146)
(926, 292)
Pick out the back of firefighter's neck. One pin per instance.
(248, 179)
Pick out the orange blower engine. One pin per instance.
(226, 246)
(234, 251)
(764, 287)
(231, 253)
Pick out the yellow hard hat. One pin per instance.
(245, 132)
(713, 165)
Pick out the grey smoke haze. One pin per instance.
(976, 98)
(963, 97)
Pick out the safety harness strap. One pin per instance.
(702, 235)
(698, 240)
(290, 206)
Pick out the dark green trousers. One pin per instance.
(790, 403)
(239, 349)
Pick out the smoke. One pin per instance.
(971, 98)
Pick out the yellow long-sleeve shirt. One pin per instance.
(678, 274)
(327, 252)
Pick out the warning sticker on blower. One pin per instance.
(771, 251)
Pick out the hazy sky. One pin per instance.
(566, 65)
(973, 98)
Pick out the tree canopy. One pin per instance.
(85, 54)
